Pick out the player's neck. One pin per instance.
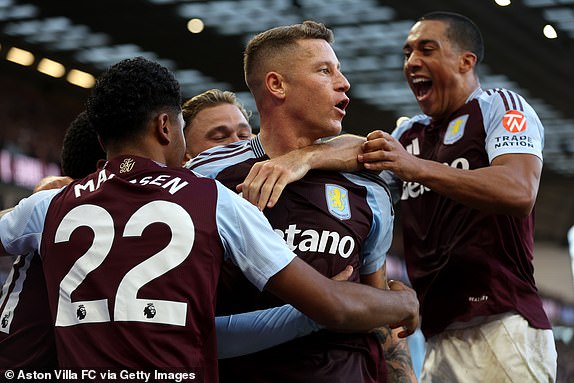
(140, 151)
(280, 139)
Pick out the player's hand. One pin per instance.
(344, 275)
(52, 182)
(411, 322)
(266, 180)
(382, 151)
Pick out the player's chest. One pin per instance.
(458, 142)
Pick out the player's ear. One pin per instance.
(275, 84)
(162, 128)
(467, 62)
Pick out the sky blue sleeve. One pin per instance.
(21, 229)
(510, 131)
(248, 238)
(254, 331)
(376, 246)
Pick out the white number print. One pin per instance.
(127, 306)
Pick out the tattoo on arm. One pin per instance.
(397, 356)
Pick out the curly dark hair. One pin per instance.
(127, 95)
(81, 150)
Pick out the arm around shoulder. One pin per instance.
(266, 180)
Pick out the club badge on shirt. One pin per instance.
(338, 201)
(455, 130)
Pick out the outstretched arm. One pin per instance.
(266, 180)
(508, 186)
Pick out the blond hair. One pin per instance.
(209, 98)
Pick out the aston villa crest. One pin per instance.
(455, 130)
(338, 201)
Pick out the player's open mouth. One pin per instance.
(343, 104)
(421, 87)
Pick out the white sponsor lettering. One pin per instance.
(460, 163)
(311, 240)
(413, 189)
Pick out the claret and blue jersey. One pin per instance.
(464, 262)
(330, 220)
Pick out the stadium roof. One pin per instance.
(85, 37)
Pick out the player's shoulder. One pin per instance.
(371, 180)
(213, 160)
(42, 199)
(407, 124)
(505, 98)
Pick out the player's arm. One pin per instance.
(47, 183)
(508, 186)
(266, 180)
(345, 306)
(21, 228)
(2, 249)
(52, 182)
(250, 332)
(254, 331)
(396, 349)
(267, 262)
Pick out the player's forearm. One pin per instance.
(498, 188)
(397, 356)
(363, 308)
(339, 153)
(343, 305)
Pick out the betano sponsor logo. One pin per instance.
(311, 240)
